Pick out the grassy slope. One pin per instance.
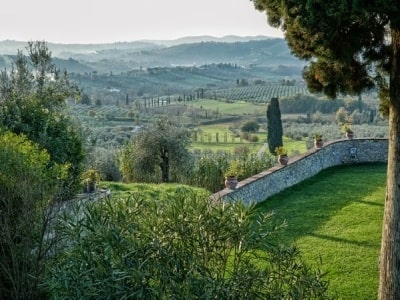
(337, 217)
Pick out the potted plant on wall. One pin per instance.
(282, 153)
(347, 130)
(231, 174)
(90, 178)
(318, 141)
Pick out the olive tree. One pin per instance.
(155, 150)
(353, 46)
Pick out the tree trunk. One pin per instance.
(164, 167)
(389, 285)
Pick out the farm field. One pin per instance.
(209, 133)
(231, 108)
(260, 93)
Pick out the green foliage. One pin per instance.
(32, 102)
(157, 149)
(91, 175)
(254, 138)
(259, 93)
(318, 137)
(347, 128)
(105, 160)
(208, 170)
(180, 245)
(307, 104)
(342, 115)
(235, 168)
(250, 126)
(27, 187)
(274, 125)
(85, 99)
(281, 150)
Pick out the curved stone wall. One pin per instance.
(265, 184)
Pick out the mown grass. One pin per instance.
(233, 108)
(336, 218)
(121, 190)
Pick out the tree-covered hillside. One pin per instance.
(160, 68)
(123, 57)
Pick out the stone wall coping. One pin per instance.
(301, 167)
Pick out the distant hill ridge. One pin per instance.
(10, 47)
(125, 56)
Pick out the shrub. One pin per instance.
(254, 138)
(250, 126)
(27, 187)
(208, 170)
(179, 245)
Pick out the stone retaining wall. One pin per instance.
(265, 184)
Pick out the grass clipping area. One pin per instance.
(335, 218)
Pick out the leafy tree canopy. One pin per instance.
(155, 150)
(250, 126)
(27, 186)
(33, 100)
(345, 37)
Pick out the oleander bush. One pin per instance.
(176, 245)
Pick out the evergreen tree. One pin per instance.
(274, 125)
(353, 46)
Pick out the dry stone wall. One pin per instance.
(265, 184)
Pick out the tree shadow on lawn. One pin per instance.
(310, 204)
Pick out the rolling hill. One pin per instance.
(169, 67)
(123, 57)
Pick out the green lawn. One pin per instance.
(336, 217)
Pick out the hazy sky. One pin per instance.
(95, 21)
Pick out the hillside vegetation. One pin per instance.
(158, 68)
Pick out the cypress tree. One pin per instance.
(274, 125)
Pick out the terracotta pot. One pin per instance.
(283, 160)
(231, 182)
(350, 135)
(318, 143)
